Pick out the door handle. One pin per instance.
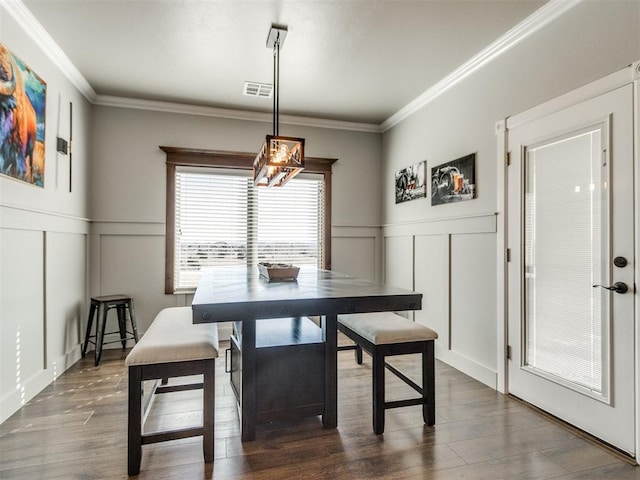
(618, 287)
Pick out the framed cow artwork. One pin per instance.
(22, 120)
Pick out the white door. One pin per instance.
(570, 227)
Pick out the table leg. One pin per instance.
(248, 401)
(330, 337)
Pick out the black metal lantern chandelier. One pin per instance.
(280, 158)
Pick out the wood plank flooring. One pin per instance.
(77, 429)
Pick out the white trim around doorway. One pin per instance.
(630, 74)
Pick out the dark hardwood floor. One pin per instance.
(76, 429)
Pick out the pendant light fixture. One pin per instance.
(280, 158)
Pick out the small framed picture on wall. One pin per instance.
(411, 182)
(454, 181)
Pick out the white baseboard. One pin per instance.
(61, 364)
(19, 395)
(22, 393)
(469, 367)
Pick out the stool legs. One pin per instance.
(87, 336)
(101, 324)
(132, 317)
(122, 324)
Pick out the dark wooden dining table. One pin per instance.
(241, 295)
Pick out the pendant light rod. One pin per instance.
(276, 86)
(275, 40)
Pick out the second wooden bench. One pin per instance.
(384, 334)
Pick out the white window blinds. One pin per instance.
(222, 219)
(289, 221)
(566, 249)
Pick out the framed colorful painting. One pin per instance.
(23, 97)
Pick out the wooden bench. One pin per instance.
(172, 347)
(385, 334)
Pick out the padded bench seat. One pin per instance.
(383, 334)
(386, 327)
(172, 347)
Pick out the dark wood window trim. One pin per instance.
(242, 161)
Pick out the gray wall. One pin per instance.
(107, 236)
(127, 196)
(449, 251)
(43, 244)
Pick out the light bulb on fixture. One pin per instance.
(281, 153)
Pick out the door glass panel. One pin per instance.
(565, 254)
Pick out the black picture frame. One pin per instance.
(454, 181)
(411, 182)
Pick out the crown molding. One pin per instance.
(541, 17)
(33, 28)
(635, 68)
(180, 108)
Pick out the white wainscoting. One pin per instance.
(451, 261)
(66, 298)
(128, 257)
(356, 251)
(432, 279)
(43, 298)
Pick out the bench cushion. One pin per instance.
(386, 327)
(172, 337)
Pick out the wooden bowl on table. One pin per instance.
(278, 271)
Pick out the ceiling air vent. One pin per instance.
(255, 89)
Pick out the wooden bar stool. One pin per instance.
(122, 304)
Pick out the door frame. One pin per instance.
(630, 74)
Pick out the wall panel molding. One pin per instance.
(23, 347)
(19, 218)
(355, 231)
(43, 277)
(436, 244)
(108, 227)
(478, 223)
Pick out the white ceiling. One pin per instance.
(350, 60)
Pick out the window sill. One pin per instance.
(184, 291)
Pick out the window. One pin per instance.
(223, 219)
(215, 216)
